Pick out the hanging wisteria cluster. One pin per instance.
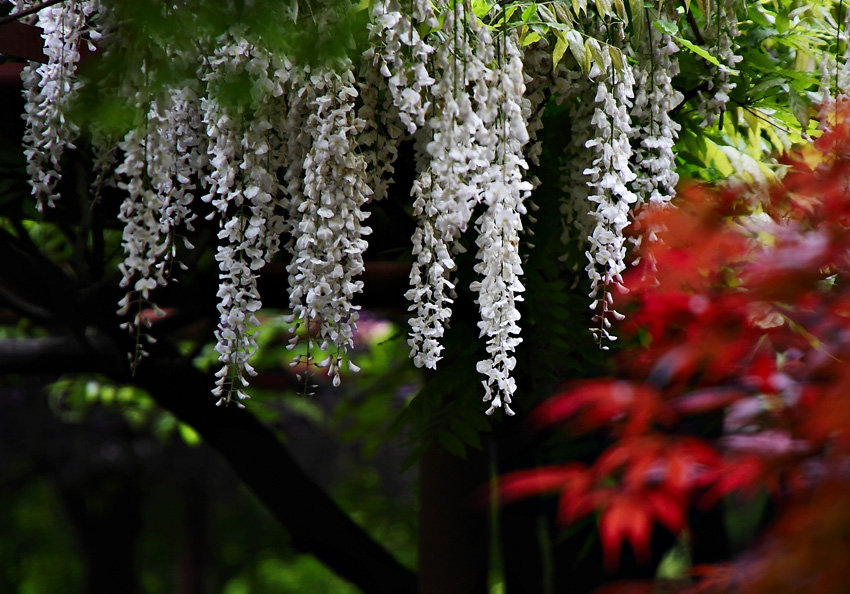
(293, 168)
(835, 74)
(49, 89)
(722, 32)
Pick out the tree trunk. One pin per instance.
(453, 533)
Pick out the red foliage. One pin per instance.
(742, 311)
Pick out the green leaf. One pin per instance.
(702, 53)
(561, 46)
(620, 8)
(593, 49)
(638, 18)
(666, 27)
(481, 7)
(452, 443)
(577, 47)
(529, 38)
(799, 107)
(616, 58)
(562, 13)
(559, 26)
(529, 13)
(189, 435)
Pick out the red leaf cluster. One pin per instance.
(739, 312)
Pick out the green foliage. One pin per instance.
(73, 397)
(303, 573)
(36, 539)
(158, 41)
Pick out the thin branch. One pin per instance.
(765, 118)
(24, 307)
(57, 354)
(694, 27)
(28, 11)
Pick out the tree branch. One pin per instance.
(316, 524)
(694, 27)
(57, 354)
(314, 521)
(15, 16)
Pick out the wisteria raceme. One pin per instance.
(161, 158)
(243, 188)
(498, 229)
(144, 176)
(835, 78)
(827, 106)
(296, 142)
(725, 29)
(451, 180)
(49, 89)
(537, 69)
(401, 55)
(184, 123)
(105, 31)
(328, 232)
(609, 178)
(382, 132)
(654, 129)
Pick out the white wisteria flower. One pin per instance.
(713, 103)
(438, 191)
(243, 187)
(655, 131)
(499, 226)
(49, 89)
(609, 178)
(294, 161)
(452, 177)
(401, 55)
(382, 131)
(328, 231)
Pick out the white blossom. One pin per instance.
(577, 91)
(451, 179)
(724, 30)
(382, 132)
(498, 230)
(49, 89)
(161, 160)
(243, 187)
(401, 55)
(609, 178)
(299, 156)
(538, 75)
(655, 130)
(327, 230)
